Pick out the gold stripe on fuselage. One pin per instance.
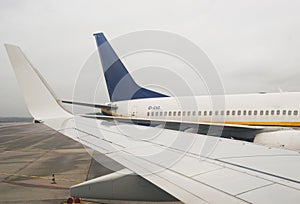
(265, 123)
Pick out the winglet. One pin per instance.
(40, 99)
(121, 86)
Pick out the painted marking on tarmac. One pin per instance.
(35, 185)
(40, 177)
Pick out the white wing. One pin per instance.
(193, 168)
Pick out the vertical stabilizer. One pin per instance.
(121, 86)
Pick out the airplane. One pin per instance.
(179, 162)
(265, 118)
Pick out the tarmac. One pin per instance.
(29, 156)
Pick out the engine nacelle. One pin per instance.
(288, 139)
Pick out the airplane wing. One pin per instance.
(193, 168)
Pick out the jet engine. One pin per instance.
(288, 139)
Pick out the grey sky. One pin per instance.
(254, 44)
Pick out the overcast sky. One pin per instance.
(254, 44)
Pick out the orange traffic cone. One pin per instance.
(53, 179)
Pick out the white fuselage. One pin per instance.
(280, 109)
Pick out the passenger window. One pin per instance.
(249, 112)
(205, 113)
(289, 112)
(165, 113)
(188, 113)
(255, 112)
(272, 112)
(210, 113)
(179, 113)
(233, 112)
(148, 113)
(170, 113)
(152, 113)
(222, 112)
(244, 112)
(183, 113)
(216, 112)
(239, 112)
(161, 113)
(295, 112)
(228, 112)
(156, 113)
(199, 113)
(174, 113)
(194, 113)
(284, 112)
(261, 112)
(278, 112)
(267, 112)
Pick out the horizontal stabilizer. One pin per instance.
(109, 107)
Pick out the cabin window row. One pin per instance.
(222, 113)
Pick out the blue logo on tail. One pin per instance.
(120, 84)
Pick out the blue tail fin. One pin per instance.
(120, 84)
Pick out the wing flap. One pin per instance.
(279, 193)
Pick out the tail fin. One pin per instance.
(121, 86)
(40, 99)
